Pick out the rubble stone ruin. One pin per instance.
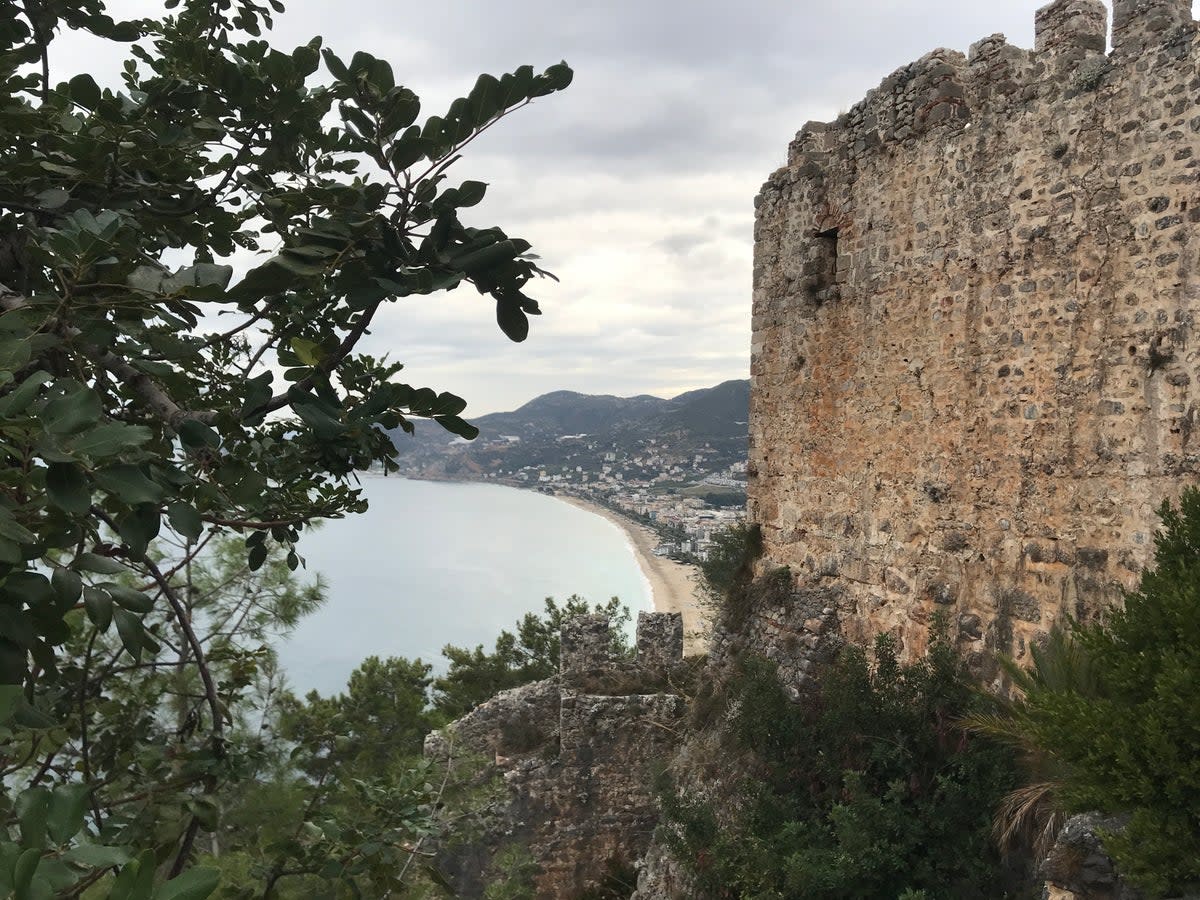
(974, 366)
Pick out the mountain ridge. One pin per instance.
(713, 419)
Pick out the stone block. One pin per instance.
(1140, 24)
(659, 639)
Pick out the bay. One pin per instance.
(436, 563)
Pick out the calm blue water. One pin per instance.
(435, 563)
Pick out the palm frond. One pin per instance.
(1030, 814)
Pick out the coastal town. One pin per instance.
(677, 467)
(685, 506)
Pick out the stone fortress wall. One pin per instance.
(974, 366)
(575, 753)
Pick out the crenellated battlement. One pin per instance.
(586, 644)
(1068, 31)
(1142, 24)
(945, 89)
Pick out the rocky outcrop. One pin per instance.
(1077, 868)
(574, 754)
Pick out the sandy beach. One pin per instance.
(673, 586)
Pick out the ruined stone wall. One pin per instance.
(974, 367)
(574, 754)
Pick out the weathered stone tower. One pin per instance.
(974, 365)
(575, 753)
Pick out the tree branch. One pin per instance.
(40, 36)
(326, 365)
(142, 384)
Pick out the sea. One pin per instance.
(436, 563)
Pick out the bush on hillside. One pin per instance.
(865, 788)
(1110, 714)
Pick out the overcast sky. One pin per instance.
(636, 185)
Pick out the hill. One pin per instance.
(565, 431)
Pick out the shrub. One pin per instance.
(1111, 713)
(865, 788)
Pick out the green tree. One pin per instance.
(380, 720)
(530, 654)
(123, 416)
(1109, 716)
(118, 746)
(730, 555)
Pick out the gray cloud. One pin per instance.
(636, 184)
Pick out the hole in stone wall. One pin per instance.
(825, 287)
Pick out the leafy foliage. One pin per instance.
(864, 788)
(130, 219)
(349, 807)
(1110, 715)
(382, 718)
(114, 755)
(117, 418)
(727, 567)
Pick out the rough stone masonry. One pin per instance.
(575, 753)
(974, 366)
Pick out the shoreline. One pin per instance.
(673, 586)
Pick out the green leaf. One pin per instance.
(15, 625)
(14, 530)
(109, 440)
(128, 598)
(96, 856)
(23, 873)
(72, 412)
(53, 198)
(139, 527)
(92, 562)
(129, 483)
(297, 264)
(455, 425)
(319, 415)
(10, 552)
(67, 806)
(258, 392)
(67, 586)
(28, 716)
(410, 149)
(470, 193)
(336, 67)
(256, 557)
(99, 607)
(185, 520)
(84, 91)
(194, 884)
(512, 320)
(309, 351)
(10, 696)
(68, 488)
(486, 98)
(16, 402)
(129, 629)
(198, 435)
(487, 257)
(135, 881)
(32, 809)
(158, 280)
